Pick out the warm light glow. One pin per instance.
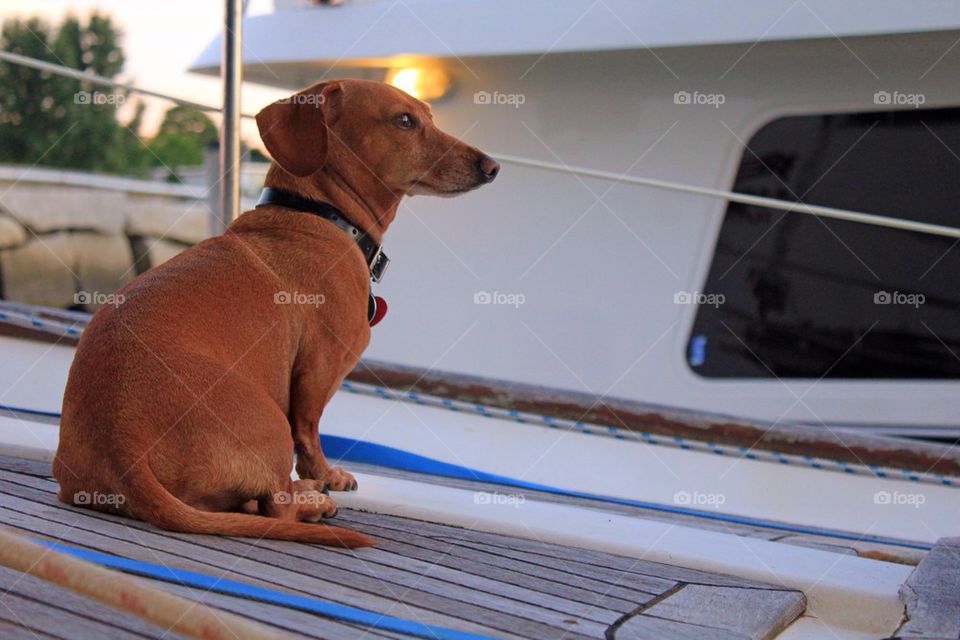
(424, 83)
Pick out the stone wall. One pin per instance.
(69, 246)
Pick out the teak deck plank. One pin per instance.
(43, 617)
(756, 614)
(620, 596)
(26, 467)
(16, 631)
(553, 555)
(437, 574)
(58, 600)
(296, 623)
(932, 594)
(652, 628)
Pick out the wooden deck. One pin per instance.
(439, 575)
(932, 595)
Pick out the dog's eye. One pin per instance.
(405, 121)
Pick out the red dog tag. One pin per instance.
(376, 309)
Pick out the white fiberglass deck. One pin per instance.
(818, 532)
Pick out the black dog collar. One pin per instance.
(377, 260)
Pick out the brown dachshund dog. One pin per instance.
(185, 403)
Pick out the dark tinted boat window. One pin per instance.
(806, 297)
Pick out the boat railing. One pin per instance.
(788, 206)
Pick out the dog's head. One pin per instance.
(362, 128)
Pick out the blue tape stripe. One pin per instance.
(186, 578)
(343, 448)
(35, 412)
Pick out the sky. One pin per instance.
(160, 40)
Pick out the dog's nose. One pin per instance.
(489, 167)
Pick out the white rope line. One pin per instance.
(730, 196)
(761, 455)
(32, 321)
(67, 72)
(742, 198)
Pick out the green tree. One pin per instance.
(257, 156)
(62, 122)
(183, 135)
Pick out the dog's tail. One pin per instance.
(150, 501)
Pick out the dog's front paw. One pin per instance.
(336, 479)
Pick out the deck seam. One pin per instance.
(568, 571)
(446, 538)
(772, 587)
(737, 582)
(603, 560)
(611, 631)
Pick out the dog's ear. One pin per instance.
(294, 129)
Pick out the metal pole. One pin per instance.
(231, 73)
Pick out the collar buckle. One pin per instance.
(378, 264)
